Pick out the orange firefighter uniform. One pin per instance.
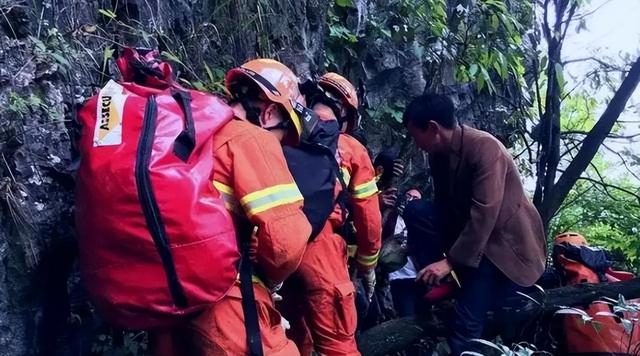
(328, 304)
(251, 174)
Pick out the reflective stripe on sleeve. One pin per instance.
(270, 198)
(365, 190)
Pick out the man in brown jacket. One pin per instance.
(493, 235)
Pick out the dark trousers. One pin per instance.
(483, 288)
(405, 297)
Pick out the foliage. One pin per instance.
(120, 344)
(22, 106)
(607, 217)
(623, 311)
(491, 38)
(498, 348)
(483, 38)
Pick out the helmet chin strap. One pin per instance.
(284, 125)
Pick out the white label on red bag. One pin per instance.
(108, 131)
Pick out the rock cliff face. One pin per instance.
(52, 57)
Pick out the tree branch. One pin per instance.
(597, 60)
(614, 136)
(567, 204)
(572, 11)
(592, 142)
(607, 185)
(587, 14)
(624, 161)
(545, 22)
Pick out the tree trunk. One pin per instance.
(591, 144)
(397, 335)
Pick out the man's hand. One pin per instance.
(435, 272)
(398, 168)
(389, 197)
(369, 282)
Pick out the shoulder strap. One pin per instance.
(249, 310)
(342, 201)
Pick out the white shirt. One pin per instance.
(409, 270)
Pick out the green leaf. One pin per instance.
(506, 21)
(480, 82)
(487, 79)
(170, 56)
(199, 86)
(108, 13)
(504, 65)
(559, 75)
(494, 22)
(498, 69)
(108, 53)
(39, 44)
(397, 115)
(60, 59)
(543, 64)
(485, 74)
(344, 3)
(209, 73)
(385, 32)
(473, 70)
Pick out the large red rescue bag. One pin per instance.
(579, 263)
(156, 242)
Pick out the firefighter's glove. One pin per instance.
(284, 323)
(369, 282)
(273, 289)
(276, 297)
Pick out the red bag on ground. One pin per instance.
(156, 242)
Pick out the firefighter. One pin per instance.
(328, 303)
(360, 177)
(251, 173)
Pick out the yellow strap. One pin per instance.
(271, 197)
(365, 190)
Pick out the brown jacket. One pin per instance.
(486, 212)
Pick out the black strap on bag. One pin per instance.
(186, 141)
(249, 310)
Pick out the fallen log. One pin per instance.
(399, 334)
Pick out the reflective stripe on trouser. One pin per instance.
(219, 330)
(330, 310)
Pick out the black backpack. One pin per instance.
(592, 257)
(315, 169)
